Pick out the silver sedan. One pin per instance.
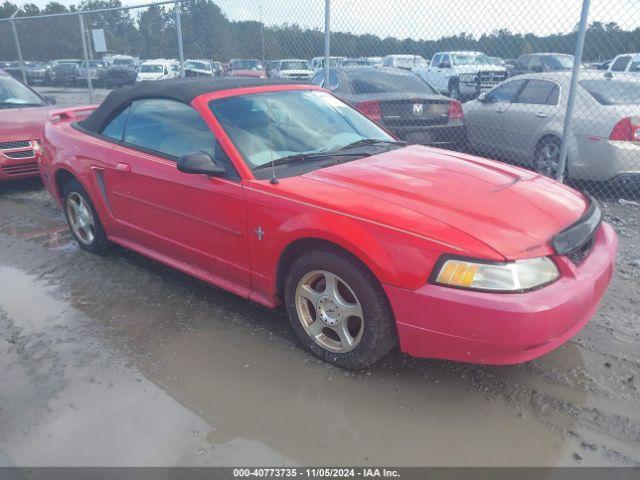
(522, 120)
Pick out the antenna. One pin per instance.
(274, 179)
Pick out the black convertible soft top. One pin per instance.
(180, 89)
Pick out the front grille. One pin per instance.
(578, 255)
(21, 154)
(16, 144)
(23, 169)
(487, 80)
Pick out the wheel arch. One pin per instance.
(306, 243)
(62, 176)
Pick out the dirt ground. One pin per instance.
(117, 360)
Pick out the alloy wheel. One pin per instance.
(329, 311)
(548, 159)
(81, 218)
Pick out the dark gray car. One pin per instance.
(400, 101)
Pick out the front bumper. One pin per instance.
(499, 329)
(17, 169)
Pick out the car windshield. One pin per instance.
(197, 65)
(409, 62)
(471, 59)
(246, 65)
(294, 65)
(613, 92)
(559, 62)
(270, 126)
(14, 94)
(123, 62)
(388, 80)
(151, 68)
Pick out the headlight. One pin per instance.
(497, 277)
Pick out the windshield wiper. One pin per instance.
(371, 141)
(298, 157)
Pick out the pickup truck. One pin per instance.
(462, 75)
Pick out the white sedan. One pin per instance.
(522, 120)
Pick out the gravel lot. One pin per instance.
(117, 360)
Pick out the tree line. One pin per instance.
(150, 32)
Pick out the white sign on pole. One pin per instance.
(99, 42)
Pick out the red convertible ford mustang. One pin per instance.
(282, 193)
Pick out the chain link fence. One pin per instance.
(492, 78)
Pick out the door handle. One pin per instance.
(541, 115)
(123, 167)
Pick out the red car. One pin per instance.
(23, 114)
(282, 193)
(246, 68)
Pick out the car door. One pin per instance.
(431, 71)
(444, 69)
(529, 116)
(196, 220)
(484, 119)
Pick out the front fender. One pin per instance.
(344, 232)
(393, 256)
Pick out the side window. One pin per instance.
(539, 92)
(173, 129)
(535, 64)
(436, 60)
(620, 65)
(115, 128)
(445, 58)
(523, 62)
(505, 92)
(317, 80)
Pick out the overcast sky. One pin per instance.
(428, 19)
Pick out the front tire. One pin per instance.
(83, 219)
(338, 310)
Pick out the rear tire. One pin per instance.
(547, 157)
(83, 219)
(338, 310)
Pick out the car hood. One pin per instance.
(296, 72)
(22, 124)
(513, 211)
(247, 73)
(150, 76)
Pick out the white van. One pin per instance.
(156, 70)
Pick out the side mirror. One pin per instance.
(200, 163)
(444, 65)
(482, 98)
(50, 100)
